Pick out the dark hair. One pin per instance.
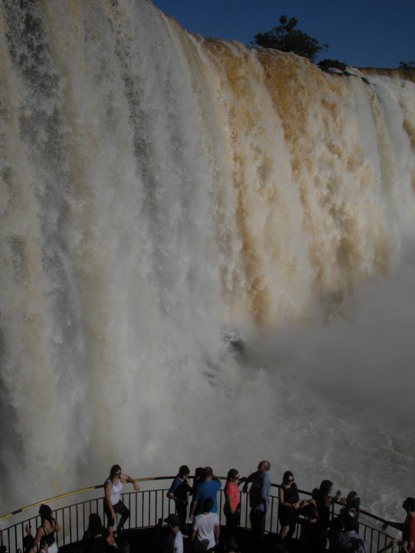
(94, 525)
(207, 472)
(184, 470)
(207, 505)
(28, 543)
(231, 474)
(198, 473)
(114, 470)
(325, 487)
(45, 513)
(409, 504)
(286, 476)
(353, 500)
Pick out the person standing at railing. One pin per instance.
(289, 505)
(112, 500)
(179, 492)
(259, 497)
(351, 508)
(311, 536)
(407, 526)
(324, 500)
(45, 538)
(208, 487)
(232, 506)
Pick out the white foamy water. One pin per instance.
(207, 257)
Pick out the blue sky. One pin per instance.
(362, 33)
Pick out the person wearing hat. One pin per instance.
(174, 541)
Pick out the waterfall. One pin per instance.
(207, 257)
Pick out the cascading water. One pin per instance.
(207, 257)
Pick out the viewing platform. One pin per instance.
(148, 507)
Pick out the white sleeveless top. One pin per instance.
(115, 491)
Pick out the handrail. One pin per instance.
(147, 507)
(75, 492)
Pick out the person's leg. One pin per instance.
(122, 510)
(181, 510)
(261, 524)
(284, 530)
(110, 522)
(291, 528)
(255, 518)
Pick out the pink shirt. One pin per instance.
(233, 494)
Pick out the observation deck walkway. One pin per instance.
(151, 505)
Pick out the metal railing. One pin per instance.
(147, 507)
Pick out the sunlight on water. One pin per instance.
(206, 257)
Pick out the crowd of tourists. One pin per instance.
(194, 525)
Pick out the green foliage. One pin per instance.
(287, 38)
(327, 64)
(407, 65)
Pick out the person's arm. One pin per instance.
(389, 546)
(127, 478)
(192, 508)
(248, 481)
(56, 525)
(170, 493)
(194, 533)
(217, 532)
(396, 525)
(266, 485)
(194, 503)
(41, 533)
(285, 503)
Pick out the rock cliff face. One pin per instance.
(405, 74)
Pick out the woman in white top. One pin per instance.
(112, 501)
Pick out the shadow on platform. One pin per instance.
(151, 540)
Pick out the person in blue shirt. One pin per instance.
(178, 492)
(208, 487)
(259, 497)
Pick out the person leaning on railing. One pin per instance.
(44, 539)
(259, 497)
(112, 500)
(407, 526)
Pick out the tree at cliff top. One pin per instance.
(407, 65)
(287, 38)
